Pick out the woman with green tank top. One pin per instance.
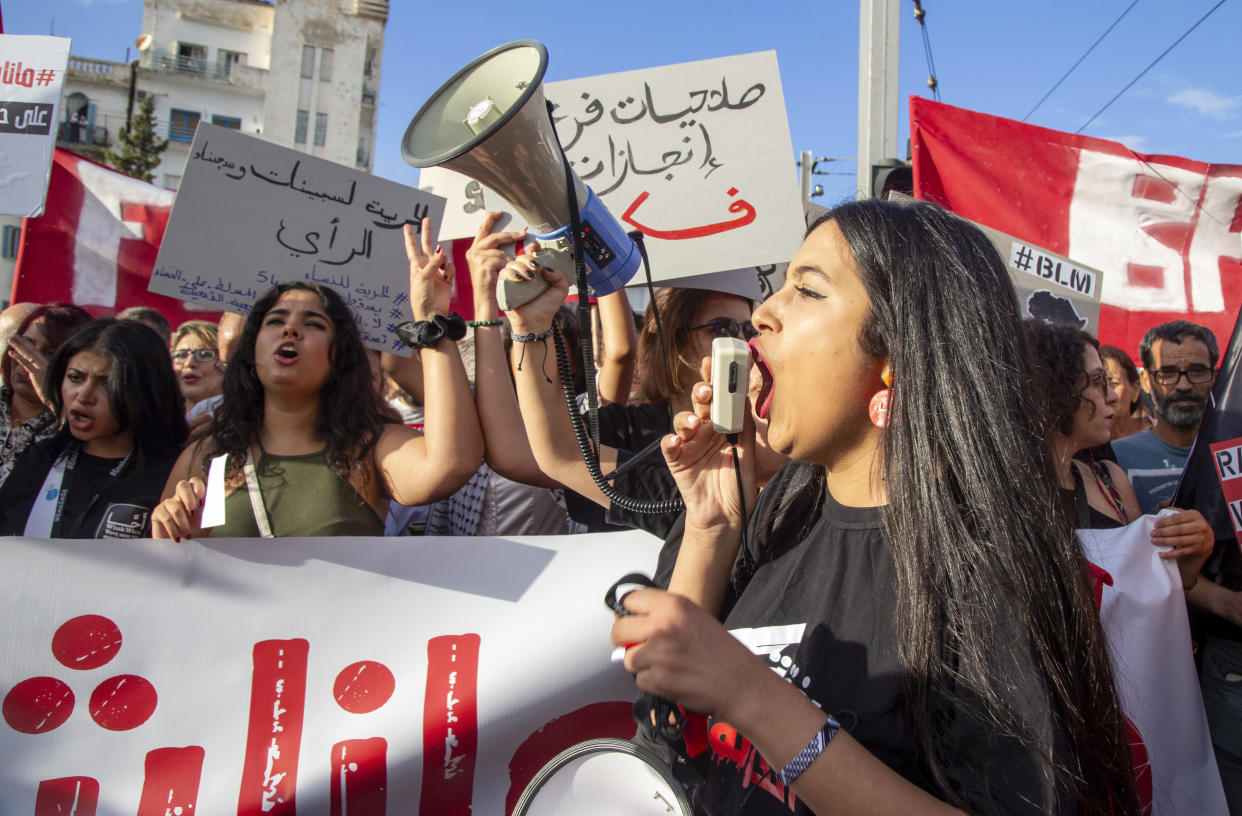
(302, 439)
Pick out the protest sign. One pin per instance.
(250, 214)
(32, 71)
(1050, 286)
(314, 676)
(1164, 230)
(1144, 617)
(697, 156)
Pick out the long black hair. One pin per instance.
(350, 414)
(142, 392)
(971, 516)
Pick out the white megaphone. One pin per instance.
(490, 122)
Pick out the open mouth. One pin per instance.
(764, 401)
(287, 352)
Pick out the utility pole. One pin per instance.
(879, 27)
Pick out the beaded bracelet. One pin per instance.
(474, 324)
(808, 754)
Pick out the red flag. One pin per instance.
(96, 242)
(1165, 231)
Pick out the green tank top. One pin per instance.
(303, 498)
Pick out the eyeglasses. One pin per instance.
(202, 355)
(1195, 375)
(728, 327)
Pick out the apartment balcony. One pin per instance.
(72, 133)
(99, 72)
(228, 73)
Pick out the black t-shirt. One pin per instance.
(99, 504)
(821, 608)
(629, 429)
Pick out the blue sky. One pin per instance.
(990, 55)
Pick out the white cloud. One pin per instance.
(1208, 103)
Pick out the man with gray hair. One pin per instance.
(1179, 366)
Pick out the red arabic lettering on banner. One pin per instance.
(96, 242)
(1166, 231)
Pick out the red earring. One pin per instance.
(878, 409)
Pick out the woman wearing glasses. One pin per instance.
(1080, 409)
(196, 362)
(907, 627)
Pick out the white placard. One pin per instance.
(697, 156)
(445, 671)
(250, 214)
(32, 72)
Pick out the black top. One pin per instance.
(629, 429)
(98, 505)
(821, 609)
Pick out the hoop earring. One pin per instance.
(878, 409)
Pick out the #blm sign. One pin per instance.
(250, 214)
(697, 156)
(32, 71)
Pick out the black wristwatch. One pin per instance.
(422, 333)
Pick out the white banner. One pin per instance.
(250, 214)
(32, 72)
(328, 675)
(1144, 616)
(697, 156)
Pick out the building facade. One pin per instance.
(301, 73)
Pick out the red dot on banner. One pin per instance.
(86, 642)
(364, 686)
(37, 705)
(123, 702)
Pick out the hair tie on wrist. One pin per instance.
(423, 333)
(474, 324)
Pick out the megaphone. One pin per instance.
(490, 122)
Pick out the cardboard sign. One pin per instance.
(250, 214)
(697, 156)
(316, 676)
(32, 72)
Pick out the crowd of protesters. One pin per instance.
(885, 490)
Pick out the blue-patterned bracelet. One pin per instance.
(807, 755)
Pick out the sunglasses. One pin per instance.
(728, 327)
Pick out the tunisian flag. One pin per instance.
(1165, 231)
(96, 242)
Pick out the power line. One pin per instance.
(1108, 104)
(1079, 62)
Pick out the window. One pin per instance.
(8, 242)
(308, 62)
(181, 125)
(325, 65)
(191, 58)
(299, 132)
(368, 67)
(321, 128)
(227, 121)
(226, 61)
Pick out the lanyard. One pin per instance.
(256, 498)
(50, 502)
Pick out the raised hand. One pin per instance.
(431, 274)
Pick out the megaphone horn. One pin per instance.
(490, 122)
